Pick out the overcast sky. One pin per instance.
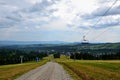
(59, 20)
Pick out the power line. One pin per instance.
(106, 12)
(102, 18)
(100, 34)
(107, 28)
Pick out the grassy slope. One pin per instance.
(93, 70)
(10, 72)
(72, 74)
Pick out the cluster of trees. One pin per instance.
(88, 56)
(110, 56)
(56, 55)
(81, 56)
(9, 56)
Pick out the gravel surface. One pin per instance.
(49, 71)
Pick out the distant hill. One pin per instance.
(105, 46)
(8, 43)
(58, 45)
(98, 46)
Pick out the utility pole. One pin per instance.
(21, 59)
(48, 55)
(74, 56)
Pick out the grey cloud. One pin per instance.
(19, 16)
(7, 24)
(107, 24)
(98, 14)
(2, 3)
(41, 8)
(19, 3)
(16, 18)
(101, 11)
(10, 20)
(84, 27)
(104, 1)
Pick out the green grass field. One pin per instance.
(92, 69)
(78, 69)
(10, 72)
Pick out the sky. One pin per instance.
(60, 20)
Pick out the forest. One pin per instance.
(88, 56)
(11, 54)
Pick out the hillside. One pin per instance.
(10, 43)
(64, 47)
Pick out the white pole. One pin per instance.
(21, 59)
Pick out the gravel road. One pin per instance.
(49, 71)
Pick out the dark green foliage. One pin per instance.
(10, 56)
(88, 56)
(56, 55)
(110, 56)
(103, 51)
(81, 56)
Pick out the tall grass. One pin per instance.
(93, 69)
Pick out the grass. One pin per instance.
(10, 72)
(71, 73)
(78, 69)
(92, 69)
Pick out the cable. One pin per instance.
(102, 17)
(107, 28)
(100, 34)
(106, 12)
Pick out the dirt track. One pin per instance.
(49, 71)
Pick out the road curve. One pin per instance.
(49, 71)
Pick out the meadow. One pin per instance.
(10, 72)
(92, 69)
(78, 69)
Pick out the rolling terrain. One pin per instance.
(12, 71)
(77, 69)
(92, 69)
(100, 61)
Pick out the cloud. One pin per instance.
(41, 6)
(73, 13)
(38, 10)
(101, 10)
(77, 16)
(10, 20)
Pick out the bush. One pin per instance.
(57, 55)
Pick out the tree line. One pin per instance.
(11, 56)
(88, 56)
